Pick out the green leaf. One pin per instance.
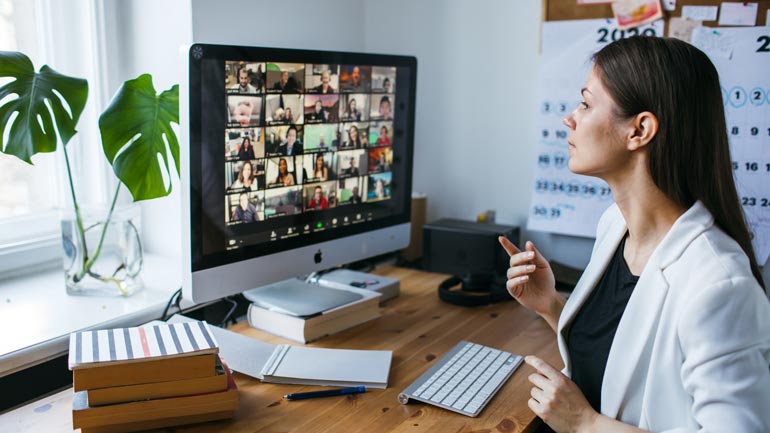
(33, 129)
(132, 130)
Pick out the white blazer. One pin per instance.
(692, 349)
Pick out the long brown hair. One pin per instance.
(689, 158)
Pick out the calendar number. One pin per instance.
(764, 46)
(606, 35)
(753, 201)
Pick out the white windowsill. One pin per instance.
(37, 315)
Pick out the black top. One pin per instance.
(590, 337)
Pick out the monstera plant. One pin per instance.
(38, 105)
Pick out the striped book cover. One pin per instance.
(126, 345)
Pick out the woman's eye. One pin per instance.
(583, 104)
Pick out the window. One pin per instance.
(30, 195)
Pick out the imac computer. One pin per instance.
(293, 161)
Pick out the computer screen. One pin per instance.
(287, 152)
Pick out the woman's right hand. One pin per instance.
(531, 281)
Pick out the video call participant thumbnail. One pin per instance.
(354, 135)
(284, 140)
(351, 163)
(320, 138)
(318, 167)
(355, 78)
(380, 133)
(380, 159)
(354, 107)
(244, 110)
(320, 196)
(244, 144)
(244, 208)
(280, 172)
(378, 187)
(322, 108)
(283, 201)
(383, 110)
(285, 77)
(383, 79)
(245, 175)
(323, 79)
(244, 78)
(284, 109)
(349, 190)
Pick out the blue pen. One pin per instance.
(327, 393)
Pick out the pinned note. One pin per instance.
(634, 13)
(700, 13)
(682, 29)
(713, 42)
(738, 14)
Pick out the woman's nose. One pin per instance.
(569, 121)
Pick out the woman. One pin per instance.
(245, 179)
(284, 177)
(379, 189)
(383, 139)
(381, 164)
(668, 329)
(320, 173)
(354, 140)
(353, 113)
(246, 152)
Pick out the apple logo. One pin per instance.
(318, 257)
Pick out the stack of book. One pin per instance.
(153, 376)
(305, 329)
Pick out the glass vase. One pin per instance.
(110, 261)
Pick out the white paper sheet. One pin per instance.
(700, 13)
(738, 14)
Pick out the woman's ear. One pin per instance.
(644, 128)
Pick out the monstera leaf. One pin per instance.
(32, 130)
(132, 130)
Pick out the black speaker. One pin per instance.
(471, 252)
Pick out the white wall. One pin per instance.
(151, 33)
(311, 24)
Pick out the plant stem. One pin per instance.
(92, 259)
(78, 218)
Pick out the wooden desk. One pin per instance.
(418, 328)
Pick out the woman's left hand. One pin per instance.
(557, 399)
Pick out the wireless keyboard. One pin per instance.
(464, 379)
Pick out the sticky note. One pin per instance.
(682, 29)
(738, 14)
(700, 13)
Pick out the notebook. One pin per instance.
(298, 364)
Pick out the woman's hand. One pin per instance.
(557, 400)
(531, 281)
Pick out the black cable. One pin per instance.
(178, 296)
(229, 313)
